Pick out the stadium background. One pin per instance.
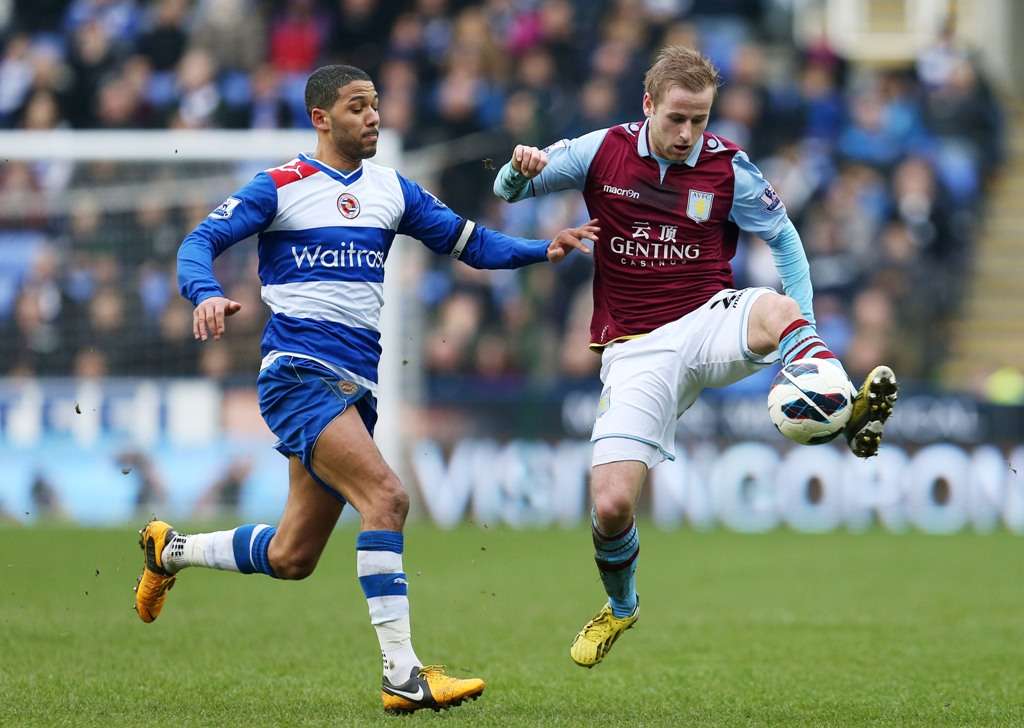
(889, 129)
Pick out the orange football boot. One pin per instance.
(154, 582)
(429, 687)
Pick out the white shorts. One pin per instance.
(650, 381)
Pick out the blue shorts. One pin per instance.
(299, 398)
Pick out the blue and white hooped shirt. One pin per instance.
(323, 239)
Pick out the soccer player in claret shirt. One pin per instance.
(325, 224)
(671, 199)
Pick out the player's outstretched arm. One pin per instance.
(491, 250)
(562, 166)
(429, 220)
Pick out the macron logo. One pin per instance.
(350, 257)
(622, 192)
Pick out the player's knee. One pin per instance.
(292, 564)
(397, 501)
(772, 313)
(787, 310)
(390, 503)
(614, 510)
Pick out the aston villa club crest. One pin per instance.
(698, 207)
(348, 205)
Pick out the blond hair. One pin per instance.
(683, 67)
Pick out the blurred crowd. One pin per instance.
(883, 170)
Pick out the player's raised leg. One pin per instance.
(290, 551)
(615, 487)
(346, 457)
(776, 322)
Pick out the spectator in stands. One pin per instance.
(868, 137)
(873, 332)
(448, 347)
(107, 325)
(406, 41)
(232, 32)
(199, 103)
(297, 37)
(434, 18)
(400, 91)
(31, 343)
(822, 103)
(356, 36)
(164, 43)
(20, 198)
(917, 202)
(963, 114)
(154, 232)
(42, 318)
(595, 109)
(738, 112)
(91, 59)
(168, 353)
(15, 77)
(119, 105)
(935, 63)
(42, 112)
(263, 105)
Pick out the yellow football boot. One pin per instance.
(598, 635)
(429, 687)
(872, 406)
(153, 584)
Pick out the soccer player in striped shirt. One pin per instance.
(325, 224)
(672, 198)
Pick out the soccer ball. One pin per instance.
(810, 401)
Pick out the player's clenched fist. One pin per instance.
(528, 161)
(572, 239)
(208, 317)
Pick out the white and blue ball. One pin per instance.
(810, 401)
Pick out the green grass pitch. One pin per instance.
(782, 629)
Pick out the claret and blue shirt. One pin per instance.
(669, 230)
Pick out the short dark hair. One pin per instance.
(322, 86)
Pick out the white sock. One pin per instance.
(395, 639)
(213, 550)
(379, 566)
